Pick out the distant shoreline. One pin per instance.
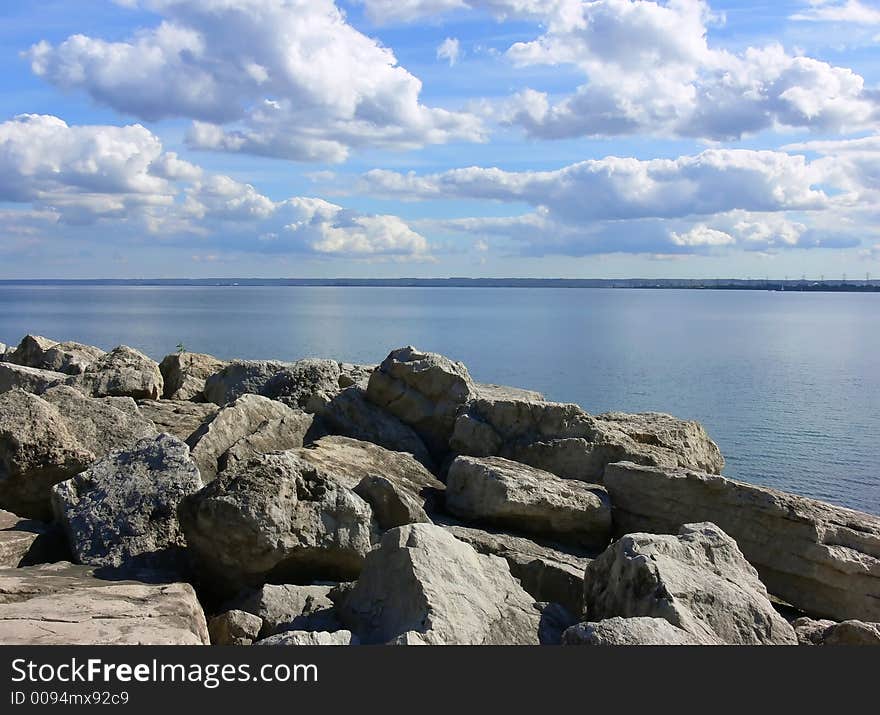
(835, 286)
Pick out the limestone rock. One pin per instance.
(70, 357)
(853, 632)
(352, 375)
(62, 604)
(820, 558)
(276, 518)
(289, 607)
(810, 631)
(509, 494)
(122, 510)
(240, 377)
(423, 579)
(425, 391)
(310, 638)
(250, 425)
(628, 631)
(305, 384)
(25, 542)
(565, 440)
(177, 417)
(31, 350)
(184, 374)
(350, 414)
(396, 485)
(234, 628)
(548, 574)
(699, 581)
(123, 372)
(29, 379)
(503, 392)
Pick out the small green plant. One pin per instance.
(181, 348)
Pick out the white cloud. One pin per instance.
(702, 235)
(833, 11)
(281, 78)
(387, 11)
(449, 50)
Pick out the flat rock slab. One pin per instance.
(63, 604)
(29, 379)
(821, 558)
(25, 542)
(628, 631)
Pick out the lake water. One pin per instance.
(788, 384)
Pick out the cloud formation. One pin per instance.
(281, 78)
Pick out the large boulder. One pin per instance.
(178, 417)
(25, 542)
(351, 414)
(423, 579)
(425, 391)
(184, 374)
(62, 604)
(276, 517)
(305, 384)
(288, 607)
(123, 372)
(30, 351)
(250, 425)
(821, 558)
(547, 573)
(122, 510)
(311, 638)
(240, 377)
(513, 495)
(29, 379)
(70, 358)
(565, 440)
(234, 628)
(398, 487)
(699, 581)
(628, 631)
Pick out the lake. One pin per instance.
(788, 384)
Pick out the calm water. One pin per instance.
(788, 384)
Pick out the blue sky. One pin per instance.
(173, 138)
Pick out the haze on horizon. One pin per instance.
(433, 138)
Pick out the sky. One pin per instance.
(431, 138)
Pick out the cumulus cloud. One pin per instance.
(120, 180)
(280, 78)
(449, 50)
(833, 11)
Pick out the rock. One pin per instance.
(63, 604)
(811, 632)
(350, 414)
(425, 391)
(37, 450)
(699, 581)
(509, 494)
(29, 379)
(31, 350)
(70, 357)
(546, 573)
(4, 352)
(276, 517)
(305, 384)
(820, 558)
(122, 511)
(123, 372)
(394, 483)
(628, 631)
(853, 632)
(555, 620)
(288, 607)
(240, 377)
(423, 579)
(503, 392)
(184, 374)
(250, 425)
(351, 375)
(25, 542)
(310, 638)
(234, 628)
(177, 417)
(565, 440)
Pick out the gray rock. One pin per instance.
(4, 352)
(548, 574)
(29, 379)
(352, 375)
(628, 631)
(305, 384)
(699, 581)
(513, 495)
(62, 604)
(350, 414)
(810, 631)
(276, 517)
(503, 392)
(310, 638)
(70, 357)
(853, 632)
(240, 377)
(555, 620)
(248, 426)
(565, 440)
(234, 628)
(423, 579)
(26, 542)
(177, 417)
(123, 372)
(425, 391)
(31, 351)
(289, 607)
(184, 374)
(122, 510)
(396, 485)
(820, 558)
